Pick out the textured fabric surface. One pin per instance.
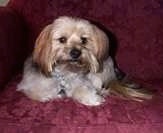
(19, 114)
(137, 25)
(12, 44)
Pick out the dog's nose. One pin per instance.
(75, 53)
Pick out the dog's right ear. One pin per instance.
(43, 54)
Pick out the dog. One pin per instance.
(71, 59)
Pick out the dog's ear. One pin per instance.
(43, 54)
(102, 43)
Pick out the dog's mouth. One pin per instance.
(74, 61)
(69, 61)
(75, 65)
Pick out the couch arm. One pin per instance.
(13, 43)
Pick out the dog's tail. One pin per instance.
(129, 90)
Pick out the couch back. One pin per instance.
(137, 25)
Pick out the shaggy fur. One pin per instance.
(71, 59)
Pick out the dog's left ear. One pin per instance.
(102, 43)
(43, 54)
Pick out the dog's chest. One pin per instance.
(68, 80)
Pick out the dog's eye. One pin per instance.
(62, 39)
(84, 40)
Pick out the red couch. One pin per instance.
(138, 27)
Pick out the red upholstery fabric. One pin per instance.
(138, 26)
(12, 44)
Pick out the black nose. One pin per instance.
(75, 53)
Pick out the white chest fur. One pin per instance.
(69, 80)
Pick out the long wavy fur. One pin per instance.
(129, 90)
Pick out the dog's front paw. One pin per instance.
(93, 100)
(45, 98)
(87, 96)
(38, 96)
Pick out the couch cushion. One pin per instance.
(136, 24)
(20, 114)
(13, 38)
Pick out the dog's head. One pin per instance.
(71, 41)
